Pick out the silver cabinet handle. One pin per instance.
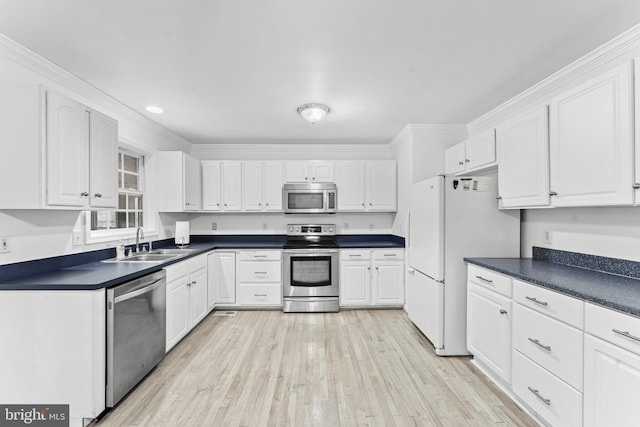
(484, 280)
(194, 282)
(306, 179)
(369, 268)
(217, 204)
(467, 161)
(84, 194)
(553, 193)
(503, 311)
(355, 255)
(259, 204)
(187, 204)
(259, 256)
(636, 186)
(363, 205)
(460, 163)
(378, 268)
(539, 396)
(259, 272)
(189, 284)
(314, 178)
(542, 346)
(499, 198)
(97, 195)
(625, 334)
(267, 204)
(259, 295)
(225, 205)
(537, 301)
(393, 255)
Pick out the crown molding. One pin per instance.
(292, 151)
(614, 52)
(26, 58)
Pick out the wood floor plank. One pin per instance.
(353, 368)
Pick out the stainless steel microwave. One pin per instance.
(315, 198)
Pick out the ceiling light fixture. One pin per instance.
(313, 112)
(155, 110)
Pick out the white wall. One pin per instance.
(611, 231)
(39, 234)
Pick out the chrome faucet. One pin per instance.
(139, 235)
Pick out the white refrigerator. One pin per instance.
(452, 218)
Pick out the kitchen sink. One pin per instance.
(146, 257)
(175, 251)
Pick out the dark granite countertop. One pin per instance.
(86, 271)
(610, 290)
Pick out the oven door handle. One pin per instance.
(309, 252)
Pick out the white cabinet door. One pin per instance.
(611, 385)
(636, 67)
(224, 277)
(355, 283)
(523, 159)
(481, 149)
(103, 161)
(231, 186)
(211, 186)
(321, 171)
(177, 310)
(67, 131)
(489, 329)
(388, 283)
(591, 143)
(198, 296)
(454, 158)
(273, 179)
(252, 186)
(298, 171)
(192, 184)
(381, 187)
(350, 178)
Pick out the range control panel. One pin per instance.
(311, 230)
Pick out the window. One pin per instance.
(130, 211)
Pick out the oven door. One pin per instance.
(310, 273)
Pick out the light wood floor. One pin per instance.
(354, 368)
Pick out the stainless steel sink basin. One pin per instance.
(146, 257)
(175, 251)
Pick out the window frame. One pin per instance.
(114, 234)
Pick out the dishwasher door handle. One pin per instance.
(150, 287)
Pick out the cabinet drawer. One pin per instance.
(554, 304)
(490, 279)
(259, 272)
(388, 254)
(355, 255)
(553, 345)
(617, 328)
(552, 399)
(260, 255)
(257, 294)
(177, 270)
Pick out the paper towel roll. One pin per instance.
(182, 232)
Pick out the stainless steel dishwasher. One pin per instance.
(136, 325)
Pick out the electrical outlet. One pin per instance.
(371, 227)
(214, 226)
(548, 237)
(265, 226)
(345, 226)
(5, 244)
(77, 237)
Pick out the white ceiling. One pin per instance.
(236, 70)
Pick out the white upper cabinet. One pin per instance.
(366, 185)
(103, 161)
(221, 186)
(262, 184)
(310, 171)
(63, 154)
(476, 153)
(591, 142)
(523, 159)
(179, 177)
(636, 184)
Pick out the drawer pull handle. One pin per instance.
(542, 346)
(390, 254)
(626, 334)
(352, 255)
(260, 272)
(259, 256)
(537, 301)
(259, 295)
(503, 311)
(484, 280)
(537, 394)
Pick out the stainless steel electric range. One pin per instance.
(310, 269)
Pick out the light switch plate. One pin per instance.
(77, 237)
(5, 244)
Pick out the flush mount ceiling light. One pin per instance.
(313, 112)
(155, 110)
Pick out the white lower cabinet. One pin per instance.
(489, 329)
(371, 277)
(222, 279)
(186, 297)
(611, 368)
(551, 398)
(259, 278)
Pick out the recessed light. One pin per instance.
(155, 110)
